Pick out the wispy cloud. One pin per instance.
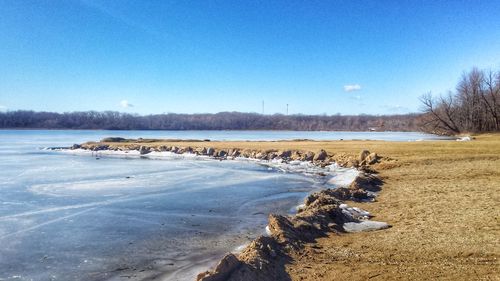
(125, 104)
(120, 17)
(3, 108)
(396, 108)
(352, 88)
(355, 97)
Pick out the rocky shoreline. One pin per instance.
(322, 212)
(147, 146)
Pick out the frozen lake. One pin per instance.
(75, 217)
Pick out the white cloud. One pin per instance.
(3, 108)
(352, 88)
(125, 104)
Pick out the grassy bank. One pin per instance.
(443, 200)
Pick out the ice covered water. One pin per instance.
(75, 217)
(72, 216)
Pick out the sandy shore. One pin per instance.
(441, 197)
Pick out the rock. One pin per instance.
(100, 147)
(271, 155)
(366, 182)
(222, 271)
(222, 153)
(362, 155)
(210, 151)
(360, 194)
(235, 153)
(201, 151)
(174, 149)
(372, 158)
(367, 169)
(75, 146)
(260, 155)
(285, 154)
(342, 193)
(246, 153)
(352, 163)
(320, 156)
(296, 155)
(308, 156)
(321, 198)
(259, 261)
(282, 229)
(144, 150)
(261, 250)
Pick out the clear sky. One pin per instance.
(348, 57)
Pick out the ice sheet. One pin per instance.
(68, 216)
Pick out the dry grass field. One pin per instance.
(442, 199)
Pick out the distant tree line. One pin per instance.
(473, 107)
(220, 121)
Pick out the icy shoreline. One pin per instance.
(335, 175)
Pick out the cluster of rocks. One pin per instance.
(264, 257)
(320, 157)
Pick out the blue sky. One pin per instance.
(320, 57)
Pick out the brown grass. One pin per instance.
(442, 199)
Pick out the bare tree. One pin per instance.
(441, 114)
(491, 96)
(218, 121)
(474, 107)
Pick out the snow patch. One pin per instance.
(365, 226)
(354, 213)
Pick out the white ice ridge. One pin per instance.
(127, 153)
(338, 176)
(354, 213)
(466, 138)
(360, 220)
(342, 176)
(364, 226)
(240, 248)
(268, 231)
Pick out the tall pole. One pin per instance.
(262, 107)
(287, 109)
